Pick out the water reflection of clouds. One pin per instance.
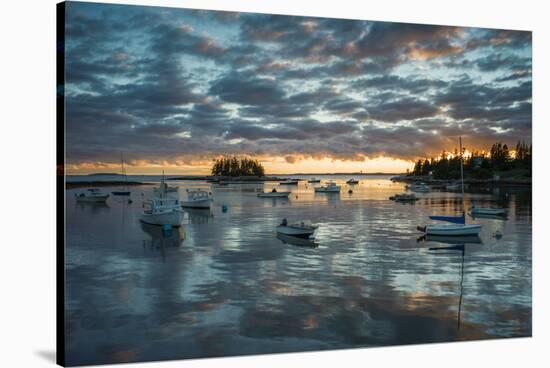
(233, 287)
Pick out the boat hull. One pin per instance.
(203, 203)
(274, 195)
(327, 190)
(293, 231)
(120, 193)
(297, 241)
(174, 218)
(95, 199)
(453, 229)
(488, 211)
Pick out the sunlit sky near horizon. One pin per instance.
(174, 88)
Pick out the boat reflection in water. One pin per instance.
(297, 241)
(455, 246)
(502, 217)
(92, 207)
(199, 216)
(162, 239)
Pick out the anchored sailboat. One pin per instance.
(457, 226)
(124, 191)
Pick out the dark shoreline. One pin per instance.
(471, 182)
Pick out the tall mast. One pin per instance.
(122, 167)
(461, 172)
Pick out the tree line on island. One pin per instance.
(237, 166)
(479, 165)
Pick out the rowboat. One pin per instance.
(302, 229)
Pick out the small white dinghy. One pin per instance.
(273, 194)
(197, 198)
(92, 195)
(163, 211)
(331, 187)
(421, 188)
(488, 211)
(452, 229)
(303, 229)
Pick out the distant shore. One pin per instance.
(94, 183)
(471, 182)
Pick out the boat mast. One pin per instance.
(461, 172)
(123, 171)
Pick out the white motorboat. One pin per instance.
(163, 211)
(302, 229)
(289, 182)
(273, 194)
(420, 187)
(352, 181)
(92, 195)
(452, 229)
(197, 198)
(488, 211)
(331, 187)
(314, 180)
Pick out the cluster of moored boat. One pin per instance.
(329, 187)
(164, 208)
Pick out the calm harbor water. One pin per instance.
(225, 284)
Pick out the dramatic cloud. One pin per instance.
(184, 86)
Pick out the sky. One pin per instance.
(174, 89)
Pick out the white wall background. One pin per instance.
(27, 195)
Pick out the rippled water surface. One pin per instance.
(225, 284)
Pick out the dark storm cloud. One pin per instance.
(201, 83)
(309, 129)
(401, 109)
(247, 89)
(500, 61)
(170, 40)
(394, 82)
